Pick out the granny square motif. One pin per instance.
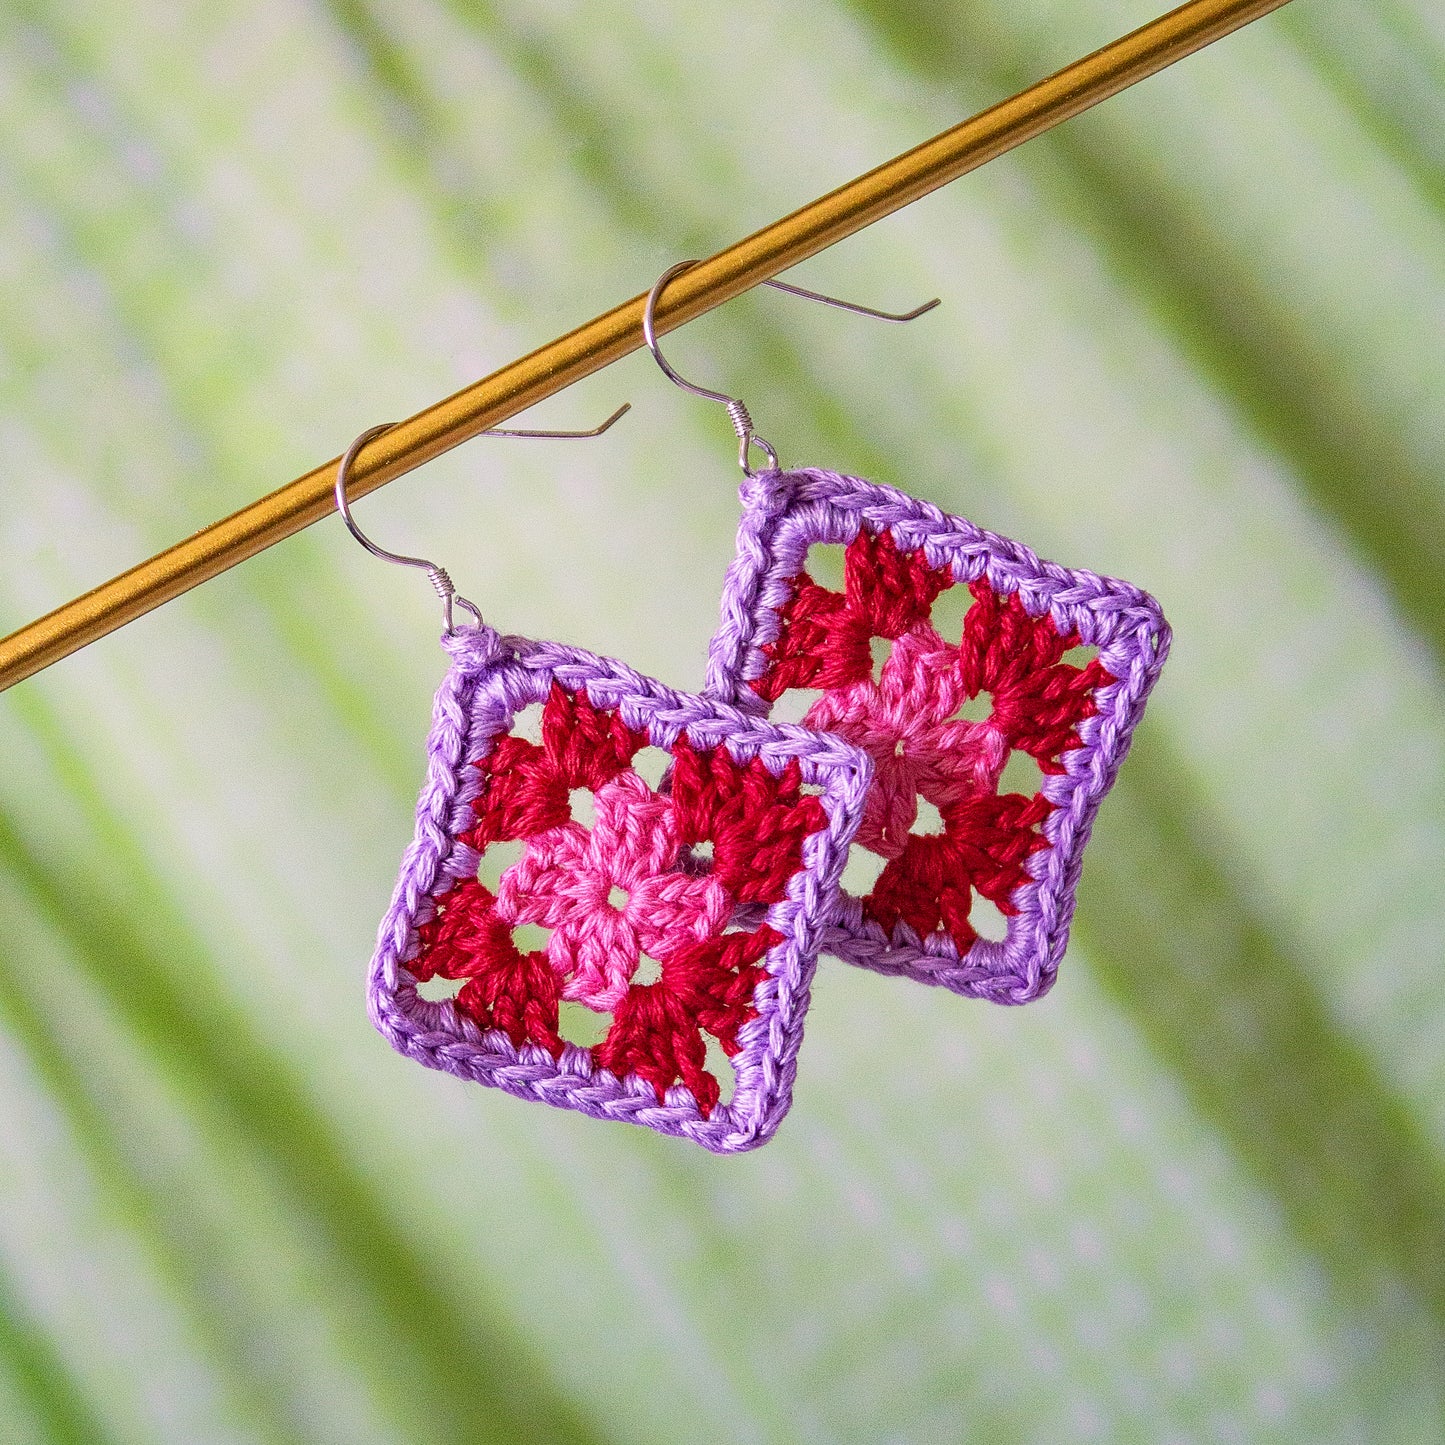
(721, 876)
(942, 715)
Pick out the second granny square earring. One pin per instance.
(939, 713)
(716, 877)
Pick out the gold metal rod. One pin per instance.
(618, 332)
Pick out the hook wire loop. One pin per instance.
(438, 576)
(737, 412)
(441, 582)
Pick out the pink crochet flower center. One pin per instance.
(909, 718)
(683, 876)
(611, 894)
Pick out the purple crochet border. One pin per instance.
(490, 680)
(784, 513)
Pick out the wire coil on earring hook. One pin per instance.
(748, 437)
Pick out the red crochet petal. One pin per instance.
(717, 980)
(463, 936)
(1041, 715)
(587, 746)
(755, 821)
(888, 590)
(654, 1037)
(927, 886)
(657, 1030)
(528, 786)
(991, 836)
(1002, 644)
(982, 849)
(821, 643)
(823, 636)
(524, 794)
(504, 990)
(520, 998)
(1038, 700)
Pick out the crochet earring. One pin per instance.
(1048, 667)
(719, 863)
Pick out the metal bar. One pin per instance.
(618, 332)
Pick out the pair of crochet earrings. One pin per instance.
(673, 916)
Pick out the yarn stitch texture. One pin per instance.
(725, 874)
(781, 630)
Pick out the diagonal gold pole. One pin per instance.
(618, 332)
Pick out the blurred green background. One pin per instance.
(1193, 339)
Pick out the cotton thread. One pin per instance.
(782, 630)
(737, 933)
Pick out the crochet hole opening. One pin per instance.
(861, 871)
(1021, 774)
(825, 564)
(496, 860)
(720, 1067)
(583, 806)
(1082, 655)
(987, 919)
(530, 937)
(976, 709)
(651, 764)
(434, 990)
(946, 617)
(746, 918)
(527, 723)
(881, 649)
(701, 855)
(582, 1026)
(617, 897)
(649, 970)
(930, 820)
(794, 705)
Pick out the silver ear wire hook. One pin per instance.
(853, 306)
(437, 576)
(736, 410)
